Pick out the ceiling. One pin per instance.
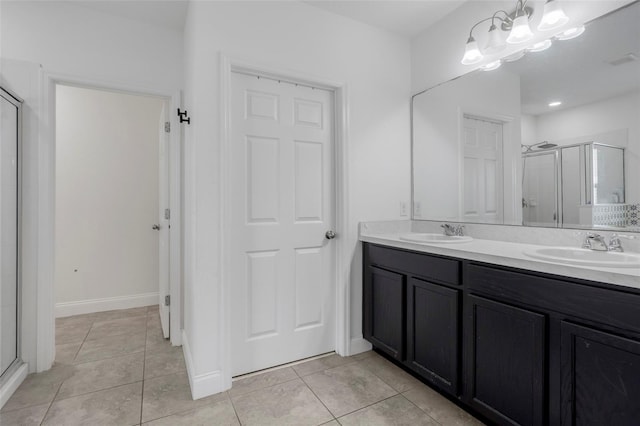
(579, 71)
(407, 18)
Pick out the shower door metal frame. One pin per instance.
(17, 102)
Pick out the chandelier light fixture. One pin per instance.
(519, 31)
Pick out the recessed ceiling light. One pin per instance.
(555, 103)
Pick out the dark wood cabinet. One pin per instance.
(433, 333)
(600, 377)
(384, 308)
(517, 347)
(506, 364)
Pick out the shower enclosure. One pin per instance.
(9, 233)
(561, 186)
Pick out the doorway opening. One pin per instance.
(112, 204)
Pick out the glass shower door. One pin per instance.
(9, 290)
(540, 189)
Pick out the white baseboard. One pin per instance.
(359, 345)
(66, 309)
(12, 383)
(204, 384)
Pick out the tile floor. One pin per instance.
(114, 368)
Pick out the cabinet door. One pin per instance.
(384, 294)
(506, 362)
(432, 333)
(600, 377)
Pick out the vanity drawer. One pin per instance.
(433, 268)
(607, 306)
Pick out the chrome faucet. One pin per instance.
(615, 244)
(453, 230)
(597, 242)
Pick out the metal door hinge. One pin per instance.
(167, 126)
(167, 300)
(167, 214)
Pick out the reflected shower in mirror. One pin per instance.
(550, 140)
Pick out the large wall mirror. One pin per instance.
(496, 147)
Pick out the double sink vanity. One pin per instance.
(520, 333)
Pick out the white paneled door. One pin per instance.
(482, 170)
(282, 264)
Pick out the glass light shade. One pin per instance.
(540, 46)
(553, 16)
(514, 56)
(472, 54)
(520, 31)
(496, 43)
(491, 66)
(570, 33)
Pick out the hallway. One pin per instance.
(115, 368)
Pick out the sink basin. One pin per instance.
(434, 238)
(586, 257)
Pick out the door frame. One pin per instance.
(228, 65)
(46, 208)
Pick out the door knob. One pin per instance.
(330, 235)
(156, 227)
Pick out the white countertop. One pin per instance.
(510, 254)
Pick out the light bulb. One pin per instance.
(520, 31)
(553, 16)
(472, 54)
(570, 33)
(540, 46)
(495, 43)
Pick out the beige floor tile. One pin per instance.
(66, 352)
(319, 364)
(391, 374)
(440, 408)
(164, 362)
(153, 321)
(170, 394)
(331, 423)
(152, 309)
(115, 406)
(396, 411)
(220, 413)
(103, 374)
(260, 381)
(84, 319)
(111, 346)
(120, 314)
(129, 326)
(72, 333)
(348, 388)
(156, 340)
(364, 355)
(39, 388)
(290, 403)
(31, 416)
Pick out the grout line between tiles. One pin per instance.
(51, 404)
(366, 406)
(234, 408)
(317, 397)
(144, 362)
(416, 405)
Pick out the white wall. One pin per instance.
(436, 53)
(70, 39)
(287, 36)
(107, 191)
(611, 121)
